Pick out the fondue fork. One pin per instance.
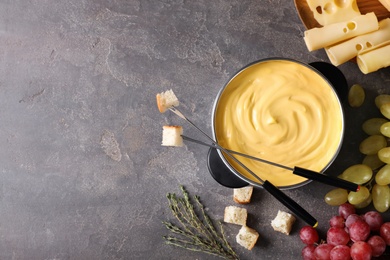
(272, 189)
(312, 175)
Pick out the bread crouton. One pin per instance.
(235, 215)
(283, 222)
(166, 100)
(243, 195)
(247, 237)
(172, 136)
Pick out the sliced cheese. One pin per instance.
(333, 11)
(331, 34)
(374, 58)
(345, 51)
(386, 4)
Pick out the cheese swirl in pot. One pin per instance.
(282, 111)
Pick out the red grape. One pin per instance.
(308, 252)
(340, 252)
(361, 251)
(308, 235)
(352, 219)
(385, 232)
(356, 237)
(374, 219)
(359, 231)
(322, 252)
(337, 236)
(346, 230)
(346, 209)
(377, 244)
(337, 221)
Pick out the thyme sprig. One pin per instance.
(196, 230)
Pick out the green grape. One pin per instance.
(372, 125)
(358, 173)
(336, 197)
(384, 155)
(381, 197)
(385, 110)
(372, 161)
(382, 99)
(364, 203)
(358, 197)
(383, 175)
(372, 144)
(385, 129)
(356, 95)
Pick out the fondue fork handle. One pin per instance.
(326, 179)
(268, 186)
(291, 204)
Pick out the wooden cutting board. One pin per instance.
(365, 6)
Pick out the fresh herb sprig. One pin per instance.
(196, 231)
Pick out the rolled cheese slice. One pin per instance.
(347, 50)
(328, 35)
(333, 11)
(374, 58)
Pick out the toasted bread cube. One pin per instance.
(283, 222)
(243, 195)
(172, 136)
(235, 215)
(247, 237)
(166, 100)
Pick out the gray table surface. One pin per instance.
(72, 72)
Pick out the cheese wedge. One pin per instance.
(375, 58)
(331, 34)
(347, 50)
(333, 11)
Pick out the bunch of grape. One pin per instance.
(373, 174)
(350, 236)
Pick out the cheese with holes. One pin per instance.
(374, 58)
(345, 51)
(333, 11)
(331, 34)
(386, 4)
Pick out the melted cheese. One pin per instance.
(280, 111)
(333, 11)
(326, 36)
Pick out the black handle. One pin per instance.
(289, 203)
(330, 180)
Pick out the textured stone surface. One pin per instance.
(72, 72)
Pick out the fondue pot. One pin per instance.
(280, 110)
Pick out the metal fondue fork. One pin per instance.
(326, 179)
(273, 190)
